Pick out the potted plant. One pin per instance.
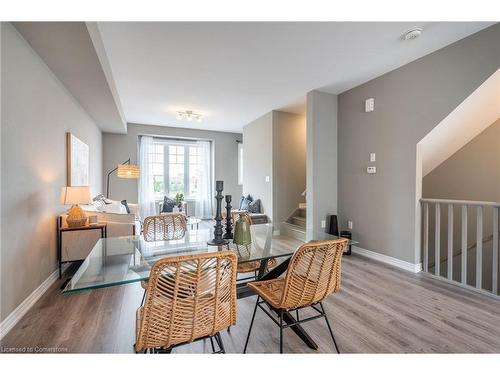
(179, 199)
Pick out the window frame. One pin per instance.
(186, 145)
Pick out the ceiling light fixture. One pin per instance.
(188, 115)
(412, 34)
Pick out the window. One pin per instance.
(176, 168)
(158, 171)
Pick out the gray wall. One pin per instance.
(119, 147)
(37, 111)
(275, 146)
(322, 168)
(409, 102)
(289, 163)
(258, 161)
(472, 173)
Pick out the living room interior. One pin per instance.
(255, 200)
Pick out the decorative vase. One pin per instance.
(76, 217)
(242, 234)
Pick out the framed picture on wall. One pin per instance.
(77, 159)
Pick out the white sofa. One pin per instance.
(118, 224)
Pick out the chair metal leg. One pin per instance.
(162, 351)
(143, 297)
(251, 324)
(218, 338)
(329, 328)
(281, 331)
(212, 343)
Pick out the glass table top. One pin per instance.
(121, 260)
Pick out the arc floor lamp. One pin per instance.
(125, 170)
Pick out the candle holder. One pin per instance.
(229, 219)
(218, 240)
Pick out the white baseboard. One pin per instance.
(16, 315)
(412, 267)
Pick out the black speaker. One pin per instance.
(333, 226)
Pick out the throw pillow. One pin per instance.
(245, 203)
(254, 207)
(124, 202)
(100, 200)
(168, 205)
(241, 202)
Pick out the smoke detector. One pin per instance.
(412, 34)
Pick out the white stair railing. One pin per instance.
(481, 270)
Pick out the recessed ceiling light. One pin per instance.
(412, 34)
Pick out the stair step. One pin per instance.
(300, 221)
(294, 231)
(301, 212)
(303, 205)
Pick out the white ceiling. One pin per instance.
(233, 73)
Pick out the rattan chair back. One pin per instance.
(188, 297)
(313, 273)
(171, 226)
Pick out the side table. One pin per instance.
(81, 242)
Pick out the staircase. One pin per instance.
(295, 225)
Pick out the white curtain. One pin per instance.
(204, 200)
(146, 190)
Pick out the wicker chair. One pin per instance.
(161, 228)
(164, 227)
(313, 274)
(188, 298)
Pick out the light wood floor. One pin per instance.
(379, 309)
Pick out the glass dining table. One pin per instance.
(121, 260)
(129, 259)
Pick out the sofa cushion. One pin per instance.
(168, 205)
(114, 208)
(125, 204)
(246, 201)
(254, 207)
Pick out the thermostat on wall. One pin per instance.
(371, 170)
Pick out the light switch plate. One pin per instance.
(349, 224)
(369, 105)
(371, 170)
(323, 223)
(373, 157)
(268, 178)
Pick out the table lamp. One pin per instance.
(75, 195)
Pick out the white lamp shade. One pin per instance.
(128, 171)
(75, 195)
